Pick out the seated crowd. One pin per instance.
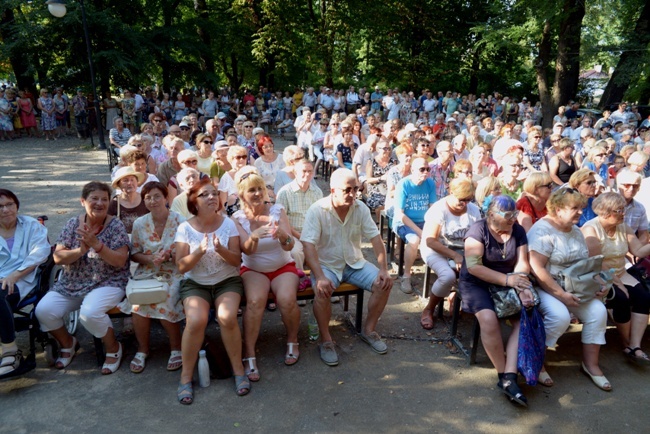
(486, 197)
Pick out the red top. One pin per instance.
(524, 205)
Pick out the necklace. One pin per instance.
(503, 250)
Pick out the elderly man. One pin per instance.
(628, 184)
(309, 99)
(296, 198)
(331, 235)
(414, 195)
(170, 167)
(442, 166)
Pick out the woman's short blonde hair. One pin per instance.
(566, 143)
(536, 179)
(605, 204)
(461, 188)
(462, 165)
(638, 158)
(248, 177)
(290, 153)
(595, 151)
(580, 176)
(484, 188)
(564, 198)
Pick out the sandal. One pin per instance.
(290, 358)
(185, 393)
(426, 319)
(508, 385)
(63, 362)
(631, 354)
(175, 361)
(544, 379)
(137, 364)
(10, 362)
(111, 368)
(599, 380)
(252, 372)
(242, 385)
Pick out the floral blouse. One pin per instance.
(90, 271)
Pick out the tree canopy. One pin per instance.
(520, 47)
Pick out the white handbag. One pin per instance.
(147, 291)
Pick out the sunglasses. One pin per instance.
(549, 185)
(590, 182)
(600, 155)
(241, 157)
(248, 126)
(424, 169)
(207, 141)
(185, 128)
(466, 200)
(508, 215)
(192, 162)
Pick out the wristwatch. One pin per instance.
(288, 240)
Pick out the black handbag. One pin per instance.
(506, 300)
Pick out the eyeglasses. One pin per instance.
(590, 182)
(209, 142)
(465, 172)
(156, 121)
(240, 157)
(138, 145)
(155, 198)
(549, 185)
(9, 205)
(424, 145)
(192, 162)
(424, 169)
(629, 185)
(600, 155)
(508, 215)
(384, 149)
(619, 211)
(248, 126)
(208, 194)
(349, 190)
(537, 137)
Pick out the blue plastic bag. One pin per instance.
(532, 345)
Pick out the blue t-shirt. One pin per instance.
(587, 213)
(413, 199)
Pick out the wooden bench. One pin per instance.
(344, 290)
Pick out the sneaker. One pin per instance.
(405, 285)
(335, 299)
(374, 340)
(328, 353)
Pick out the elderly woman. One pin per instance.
(48, 121)
(154, 251)
(247, 140)
(60, 109)
(208, 253)
(186, 158)
(445, 225)
(143, 143)
(562, 165)
(186, 178)
(93, 249)
(554, 244)
(269, 163)
(488, 186)
(404, 153)
(610, 236)
(584, 180)
(482, 164)
(284, 176)
(266, 242)
(377, 170)
(596, 162)
(204, 155)
(118, 135)
(496, 253)
(534, 158)
(137, 160)
(220, 164)
(532, 204)
(511, 168)
(237, 157)
(463, 170)
(128, 205)
(128, 110)
(413, 196)
(23, 247)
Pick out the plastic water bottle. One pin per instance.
(312, 325)
(204, 370)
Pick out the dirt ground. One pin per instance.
(422, 385)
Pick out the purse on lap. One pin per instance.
(580, 280)
(506, 300)
(147, 290)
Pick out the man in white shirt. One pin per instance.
(352, 101)
(326, 101)
(331, 237)
(429, 105)
(309, 99)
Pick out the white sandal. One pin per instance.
(138, 363)
(113, 367)
(63, 362)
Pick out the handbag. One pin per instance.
(147, 290)
(532, 345)
(579, 278)
(506, 300)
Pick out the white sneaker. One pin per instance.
(405, 285)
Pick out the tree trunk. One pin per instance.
(473, 76)
(541, 66)
(567, 63)
(17, 57)
(630, 60)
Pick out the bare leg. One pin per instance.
(173, 330)
(323, 313)
(257, 288)
(376, 305)
(491, 338)
(227, 305)
(196, 314)
(284, 287)
(410, 253)
(142, 328)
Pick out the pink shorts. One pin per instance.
(289, 268)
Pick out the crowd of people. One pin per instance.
(202, 200)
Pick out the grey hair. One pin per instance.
(606, 203)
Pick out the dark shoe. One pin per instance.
(508, 386)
